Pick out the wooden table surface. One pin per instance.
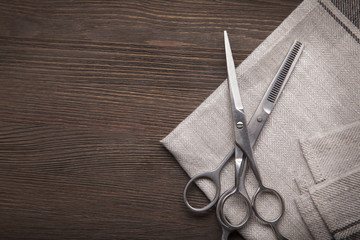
(88, 89)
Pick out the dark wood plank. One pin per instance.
(88, 89)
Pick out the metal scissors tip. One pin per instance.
(233, 85)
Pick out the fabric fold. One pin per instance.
(331, 205)
(334, 152)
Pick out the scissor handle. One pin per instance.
(225, 232)
(225, 223)
(214, 176)
(272, 222)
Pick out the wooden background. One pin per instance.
(88, 89)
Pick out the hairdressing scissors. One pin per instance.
(245, 138)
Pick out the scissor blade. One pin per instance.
(274, 91)
(233, 85)
(242, 139)
(282, 76)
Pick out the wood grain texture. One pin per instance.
(88, 89)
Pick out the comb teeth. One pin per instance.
(284, 72)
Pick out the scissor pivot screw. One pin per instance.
(259, 119)
(239, 125)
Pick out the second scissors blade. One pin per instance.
(233, 85)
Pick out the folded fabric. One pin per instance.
(334, 152)
(331, 207)
(322, 93)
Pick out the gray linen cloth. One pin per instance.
(321, 94)
(331, 207)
